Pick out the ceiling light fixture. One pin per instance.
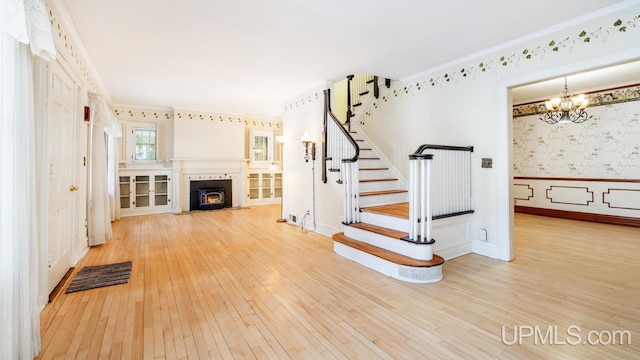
(566, 108)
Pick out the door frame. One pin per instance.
(504, 153)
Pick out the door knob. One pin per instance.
(73, 188)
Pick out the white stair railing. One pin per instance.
(342, 152)
(420, 217)
(439, 187)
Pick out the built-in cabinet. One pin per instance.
(263, 187)
(144, 192)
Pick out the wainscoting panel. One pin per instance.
(603, 200)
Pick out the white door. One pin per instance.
(62, 172)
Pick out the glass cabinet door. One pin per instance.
(266, 185)
(277, 185)
(160, 188)
(125, 192)
(254, 186)
(142, 191)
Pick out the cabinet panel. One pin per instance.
(264, 187)
(125, 192)
(144, 192)
(277, 185)
(160, 190)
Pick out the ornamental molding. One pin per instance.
(596, 98)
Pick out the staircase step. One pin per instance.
(366, 149)
(382, 192)
(369, 158)
(395, 234)
(364, 93)
(373, 169)
(334, 170)
(386, 254)
(399, 210)
(375, 180)
(356, 105)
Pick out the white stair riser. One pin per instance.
(415, 251)
(430, 275)
(378, 185)
(375, 200)
(371, 163)
(390, 222)
(375, 174)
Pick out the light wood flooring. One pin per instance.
(236, 284)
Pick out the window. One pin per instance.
(261, 148)
(145, 144)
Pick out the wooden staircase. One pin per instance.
(385, 249)
(379, 241)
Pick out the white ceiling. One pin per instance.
(250, 56)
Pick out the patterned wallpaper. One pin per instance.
(606, 146)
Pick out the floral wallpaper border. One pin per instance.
(132, 113)
(598, 98)
(599, 35)
(304, 100)
(65, 46)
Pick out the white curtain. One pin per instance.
(22, 165)
(114, 131)
(99, 202)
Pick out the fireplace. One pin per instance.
(210, 194)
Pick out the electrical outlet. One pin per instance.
(487, 163)
(293, 218)
(483, 235)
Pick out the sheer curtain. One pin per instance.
(22, 165)
(99, 216)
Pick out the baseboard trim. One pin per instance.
(575, 215)
(485, 249)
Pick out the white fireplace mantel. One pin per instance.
(188, 169)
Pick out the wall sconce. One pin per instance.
(307, 141)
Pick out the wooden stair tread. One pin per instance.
(371, 169)
(382, 192)
(369, 158)
(365, 149)
(386, 254)
(392, 233)
(334, 170)
(374, 180)
(399, 210)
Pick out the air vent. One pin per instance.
(420, 274)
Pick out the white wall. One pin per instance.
(207, 136)
(305, 113)
(472, 107)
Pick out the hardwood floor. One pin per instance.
(236, 284)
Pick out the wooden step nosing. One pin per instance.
(382, 192)
(387, 255)
(377, 180)
(380, 230)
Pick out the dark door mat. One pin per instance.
(92, 277)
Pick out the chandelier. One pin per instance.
(566, 108)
